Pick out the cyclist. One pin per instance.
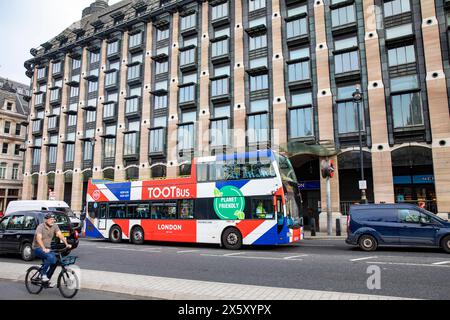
(45, 233)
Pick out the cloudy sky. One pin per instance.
(25, 24)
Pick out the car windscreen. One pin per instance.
(62, 219)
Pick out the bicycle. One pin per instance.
(67, 279)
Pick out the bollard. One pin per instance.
(338, 227)
(313, 227)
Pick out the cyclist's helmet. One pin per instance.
(49, 216)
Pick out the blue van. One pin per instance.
(373, 225)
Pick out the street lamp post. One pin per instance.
(357, 98)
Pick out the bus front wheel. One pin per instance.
(115, 235)
(232, 239)
(137, 236)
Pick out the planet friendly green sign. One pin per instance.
(229, 203)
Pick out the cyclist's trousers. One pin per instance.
(49, 261)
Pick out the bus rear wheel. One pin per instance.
(115, 234)
(137, 236)
(232, 239)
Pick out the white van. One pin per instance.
(38, 205)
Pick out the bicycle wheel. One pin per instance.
(68, 284)
(33, 281)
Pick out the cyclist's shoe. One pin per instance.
(45, 279)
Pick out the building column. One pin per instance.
(203, 132)
(43, 179)
(77, 182)
(144, 168)
(172, 130)
(239, 113)
(27, 188)
(280, 135)
(325, 111)
(120, 173)
(383, 184)
(437, 105)
(98, 154)
(59, 176)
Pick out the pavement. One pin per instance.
(327, 269)
(15, 290)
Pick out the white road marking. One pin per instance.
(293, 257)
(365, 258)
(441, 263)
(188, 251)
(407, 264)
(130, 249)
(248, 257)
(233, 254)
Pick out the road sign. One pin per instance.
(363, 185)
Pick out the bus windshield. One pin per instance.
(286, 170)
(293, 204)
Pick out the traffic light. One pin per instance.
(327, 169)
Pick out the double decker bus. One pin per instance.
(231, 200)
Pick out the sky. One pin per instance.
(26, 24)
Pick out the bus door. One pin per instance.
(102, 216)
(280, 212)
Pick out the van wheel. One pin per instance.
(27, 252)
(232, 239)
(368, 243)
(137, 236)
(115, 234)
(445, 244)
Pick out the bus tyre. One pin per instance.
(137, 236)
(232, 239)
(445, 244)
(115, 234)
(26, 252)
(368, 243)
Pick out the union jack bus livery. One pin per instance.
(231, 200)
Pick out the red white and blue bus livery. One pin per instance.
(232, 200)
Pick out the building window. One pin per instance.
(187, 57)
(189, 22)
(220, 48)
(348, 112)
(186, 136)
(76, 64)
(70, 152)
(161, 67)
(258, 128)
(220, 87)
(219, 11)
(134, 72)
(110, 143)
(112, 48)
(52, 150)
(9, 106)
(135, 40)
(392, 8)
(301, 122)
(401, 55)
(258, 42)
(3, 170)
(111, 79)
(157, 135)
(220, 32)
(15, 172)
(220, 126)
(406, 106)
(17, 150)
(109, 110)
(346, 62)
(132, 105)
(94, 57)
(187, 93)
(55, 94)
(5, 148)
(39, 99)
(258, 62)
(41, 73)
(162, 34)
(91, 116)
(92, 86)
(256, 5)
(299, 71)
(74, 92)
(297, 10)
(7, 128)
(399, 31)
(36, 157)
(259, 82)
(131, 139)
(296, 28)
(343, 16)
(71, 120)
(88, 147)
(57, 67)
(160, 102)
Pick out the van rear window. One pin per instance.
(376, 215)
